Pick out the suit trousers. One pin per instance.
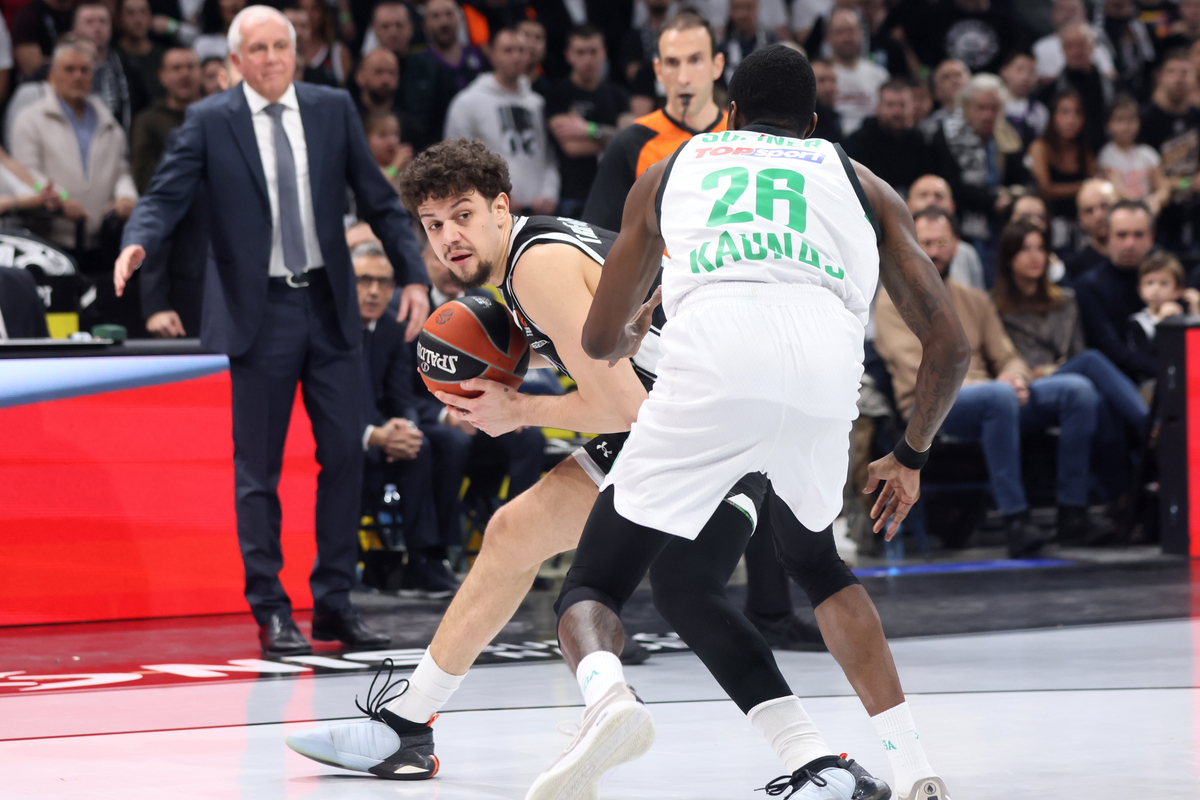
(300, 341)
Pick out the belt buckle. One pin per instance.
(291, 281)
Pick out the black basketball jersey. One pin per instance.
(595, 243)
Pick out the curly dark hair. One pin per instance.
(453, 167)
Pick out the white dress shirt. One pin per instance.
(3, 330)
(264, 133)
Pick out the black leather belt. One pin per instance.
(298, 281)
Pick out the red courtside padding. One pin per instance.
(120, 506)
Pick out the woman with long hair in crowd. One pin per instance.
(1061, 160)
(1042, 320)
(323, 51)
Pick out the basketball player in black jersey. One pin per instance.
(548, 269)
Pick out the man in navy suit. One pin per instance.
(280, 301)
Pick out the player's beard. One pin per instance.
(476, 278)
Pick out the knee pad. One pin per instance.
(573, 594)
(813, 562)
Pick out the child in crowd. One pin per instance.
(383, 137)
(1027, 116)
(1134, 169)
(1161, 285)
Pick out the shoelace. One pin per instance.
(377, 700)
(793, 782)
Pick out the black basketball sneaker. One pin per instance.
(384, 744)
(840, 774)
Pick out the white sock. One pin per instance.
(597, 673)
(902, 743)
(790, 732)
(429, 688)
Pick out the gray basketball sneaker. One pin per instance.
(931, 788)
(384, 744)
(618, 728)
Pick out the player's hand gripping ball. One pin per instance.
(471, 337)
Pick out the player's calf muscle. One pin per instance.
(544, 521)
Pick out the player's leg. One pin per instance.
(397, 741)
(667, 481)
(613, 556)
(848, 620)
(689, 580)
(537, 524)
(807, 492)
(769, 599)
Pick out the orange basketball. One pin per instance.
(471, 337)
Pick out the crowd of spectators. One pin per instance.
(1049, 153)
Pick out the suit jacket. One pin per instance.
(216, 147)
(390, 365)
(22, 307)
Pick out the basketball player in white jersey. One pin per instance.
(775, 245)
(547, 269)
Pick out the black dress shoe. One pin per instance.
(1024, 539)
(347, 627)
(280, 637)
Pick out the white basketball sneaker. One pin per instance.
(825, 778)
(384, 745)
(618, 728)
(931, 788)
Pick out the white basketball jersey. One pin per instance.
(757, 206)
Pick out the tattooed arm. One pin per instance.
(920, 296)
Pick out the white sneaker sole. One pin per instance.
(625, 734)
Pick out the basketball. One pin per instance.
(471, 337)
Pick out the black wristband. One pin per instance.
(908, 457)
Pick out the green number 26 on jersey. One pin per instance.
(775, 190)
(768, 194)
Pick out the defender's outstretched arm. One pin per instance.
(629, 271)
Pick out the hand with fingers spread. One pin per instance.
(901, 489)
(637, 328)
(496, 411)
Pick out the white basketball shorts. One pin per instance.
(753, 377)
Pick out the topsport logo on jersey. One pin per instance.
(762, 152)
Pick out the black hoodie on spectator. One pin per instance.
(898, 157)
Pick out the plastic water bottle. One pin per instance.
(390, 518)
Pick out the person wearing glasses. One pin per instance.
(395, 450)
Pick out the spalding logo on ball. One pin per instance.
(471, 337)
